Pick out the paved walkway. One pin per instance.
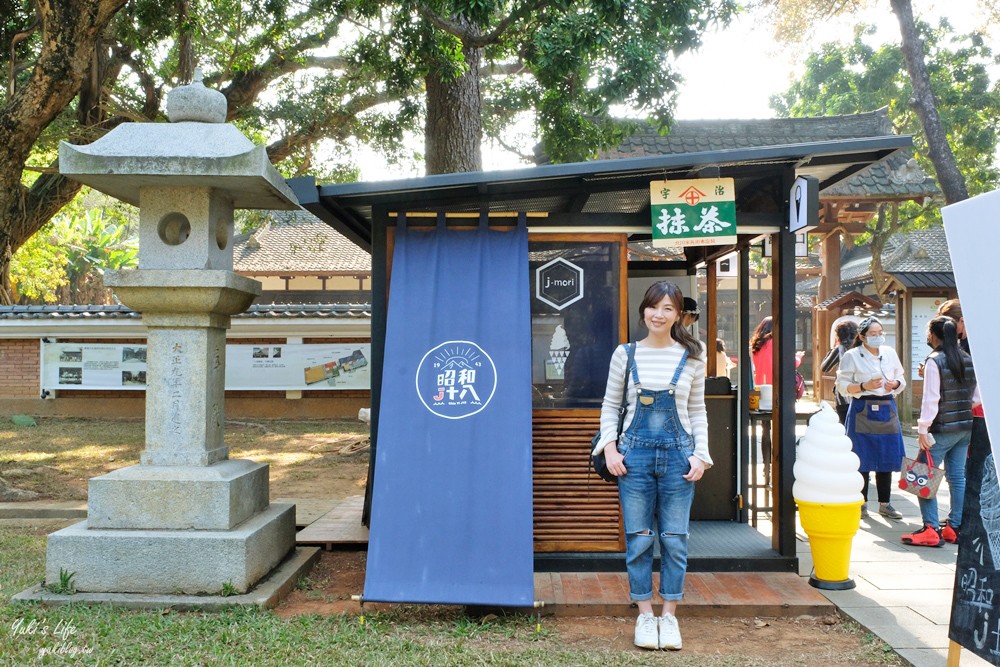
(903, 593)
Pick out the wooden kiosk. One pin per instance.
(581, 218)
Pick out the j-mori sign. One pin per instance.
(559, 283)
(693, 212)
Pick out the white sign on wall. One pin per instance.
(924, 310)
(275, 367)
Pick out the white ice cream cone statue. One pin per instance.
(827, 490)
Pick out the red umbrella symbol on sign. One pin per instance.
(692, 195)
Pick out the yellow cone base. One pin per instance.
(831, 529)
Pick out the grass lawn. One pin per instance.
(410, 635)
(58, 456)
(94, 635)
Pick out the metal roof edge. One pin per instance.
(621, 165)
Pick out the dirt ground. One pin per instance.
(56, 458)
(330, 460)
(747, 641)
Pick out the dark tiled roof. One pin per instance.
(847, 296)
(690, 136)
(805, 292)
(298, 242)
(894, 177)
(897, 176)
(921, 251)
(810, 262)
(936, 280)
(256, 311)
(113, 312)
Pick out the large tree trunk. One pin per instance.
(949, 177)
(453, 134)
(70, 33)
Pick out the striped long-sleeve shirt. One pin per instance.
(656, 368)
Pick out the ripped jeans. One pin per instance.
(654, 488)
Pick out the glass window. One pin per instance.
(574, 320)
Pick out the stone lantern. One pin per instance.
(187, 519)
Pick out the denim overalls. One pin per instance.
(656, 449)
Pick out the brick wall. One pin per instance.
(20, 368)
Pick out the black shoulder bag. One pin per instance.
(598, 461)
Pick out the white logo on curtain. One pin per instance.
(456, 379)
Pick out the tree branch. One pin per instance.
(19, 37)
(505, 69)
(152, 92)
(473, 39)
(328, 129)
(246, 86)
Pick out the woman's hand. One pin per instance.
(924, 441)
(616, 462)
(697, 469)
(878, 382)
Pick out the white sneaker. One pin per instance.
(645, 631)
(670, 633)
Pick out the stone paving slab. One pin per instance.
(44, 509)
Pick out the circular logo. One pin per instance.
(456, 379)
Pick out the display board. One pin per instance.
(975, 617)
(975, 610)
(924, 309)
(276, 367)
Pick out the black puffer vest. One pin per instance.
(955, 405)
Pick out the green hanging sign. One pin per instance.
(693, 212)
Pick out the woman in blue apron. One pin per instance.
(662, 452)
(871, 376)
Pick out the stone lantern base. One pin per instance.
(172, 561)
(175, 529)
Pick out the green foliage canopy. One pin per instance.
(566, 63)
(858, 77)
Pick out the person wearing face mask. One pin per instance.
(870, 375)
(945, 427)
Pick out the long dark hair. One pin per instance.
(654, 295)
(762, 334)
(945, 330)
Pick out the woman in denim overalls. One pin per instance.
(659, 457)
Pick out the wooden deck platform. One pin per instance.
(735, 594)
(340, 526)
(585, 592)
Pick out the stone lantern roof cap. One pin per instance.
(189, 153)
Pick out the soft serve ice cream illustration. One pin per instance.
(558, 351)
(827, 490)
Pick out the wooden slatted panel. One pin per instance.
(570, 514)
